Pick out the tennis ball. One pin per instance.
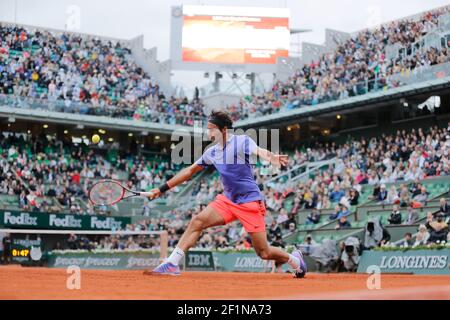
(95, 138)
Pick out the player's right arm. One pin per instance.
(182, 176)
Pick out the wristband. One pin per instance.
(164, 187)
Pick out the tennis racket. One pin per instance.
(108, 192)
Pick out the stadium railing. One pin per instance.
(89, 109)
(299, 173)
(407, 76)
(370, 91)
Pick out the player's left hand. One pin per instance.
(279, 160)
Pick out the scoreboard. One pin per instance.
(25, 250)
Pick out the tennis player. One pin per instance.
(242, 200)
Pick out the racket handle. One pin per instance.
(145, 194)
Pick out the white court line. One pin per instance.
(405, 293)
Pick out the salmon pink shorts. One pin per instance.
(250, 214)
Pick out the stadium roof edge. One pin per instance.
(410, 17)
(42, 28)
(348, 103)
(95, 121)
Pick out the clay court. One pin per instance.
(44, 283)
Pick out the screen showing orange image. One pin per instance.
(234, 39)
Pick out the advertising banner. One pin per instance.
(195, 261)
(107, 260)
(44, 220)
(410, 261)
(199, 260)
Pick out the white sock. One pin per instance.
(294, 262)
(176, 256)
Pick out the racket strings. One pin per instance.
(106, 192)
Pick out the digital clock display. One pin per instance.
(20, 252)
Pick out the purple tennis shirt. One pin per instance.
(235, 163)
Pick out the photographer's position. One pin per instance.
(350, 255)
(376, 235)
(6, 255)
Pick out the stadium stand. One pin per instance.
(44, 174)
(358, 66)
(71, 73)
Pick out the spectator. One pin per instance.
(386, 237)
(290, 221)
(6, 241)
(416, 188)
(23, 201)
(240, 245)
(313, 217)
(396, 216)
(382, 195)
(376, 191)
(72, 241)
(58, 246)
(354, 196)
(438, 228)
(282, 217)
(444, 207)
(336, 194)
(407, 241)
(413, 216)
(309, 203)
(146, 209)
(336, 214)
(291, 228)
(297, 206)
(404, 196)
(278, 242)
(274, 230)
(344, 207)
(422, 197)
(422, 236)
(343, 223)
(392, 196)
(323, 202)
(247, 243)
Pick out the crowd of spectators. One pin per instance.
(86, 75)
(99, 76)
(408, 157)
(355, 67)
(434, 231)
(50, 175)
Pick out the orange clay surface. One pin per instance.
(44, 283)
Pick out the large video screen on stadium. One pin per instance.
(233, 35)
